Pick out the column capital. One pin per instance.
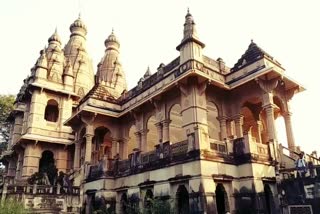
(166, 122)
(222, 118)
(138, 133)
(88, 135)
(238, 117)
(124, 140)
(267, 85)
(158, 124)
(269, 106)
(144, 132)
(287, 114)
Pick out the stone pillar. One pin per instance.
(238, 123)
(290, 137)
(160, 132)
(115, 148)
(271, 130)
(166, 134)
(87, 158)
(76, 161)
(259, 129)
(124, 148)
(144, 145)
(138, 139)
(223, 127)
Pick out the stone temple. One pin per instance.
(196, 136)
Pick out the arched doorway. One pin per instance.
(148, 202)
(182, 200)
(124, 203)
(268, 199)
(221, 199)
(47, 165)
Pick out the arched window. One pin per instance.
(132, 144)
(152, 137)
(47, 165)
(213, 122)
(176, 131)
(52, 111)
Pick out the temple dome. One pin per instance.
(78, 27)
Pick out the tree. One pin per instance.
(6, 106)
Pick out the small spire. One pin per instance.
(55, 37)
(148, 73)
(42, 60)
(251, 41)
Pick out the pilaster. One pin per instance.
(76, 162)
(290, 136)
(144, 146)
(238, 119)
(87, 158)
(166, 133)
(223, 127)
(160, 131)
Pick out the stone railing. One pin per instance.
(218, 146)
(40, 189)
(164, 154)
(244, 150)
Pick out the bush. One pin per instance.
(11, 206)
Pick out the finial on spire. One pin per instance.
(188, 10)
(251, 40)
(79, 15)
(55, 37)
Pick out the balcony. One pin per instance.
(163, 155)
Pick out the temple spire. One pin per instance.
(190, 46)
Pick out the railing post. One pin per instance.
(34, 190)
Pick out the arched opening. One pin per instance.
(221, 199)
(148, 201)
(176, 131)
(268, 199)
(152, 137)
(182, 200)
(47, 166)
(102, 145)
(213, 122)
(132, 143)
(250, 125)
(124, 203)
(52, 111)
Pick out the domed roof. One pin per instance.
(112, 40)
(54, 37)
(77, 26)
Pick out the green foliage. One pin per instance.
(11, 206)
(6, 106)
(158, 206)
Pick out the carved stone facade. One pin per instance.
(196, 134)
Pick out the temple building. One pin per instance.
(195, 136)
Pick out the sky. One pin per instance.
(149, 32)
